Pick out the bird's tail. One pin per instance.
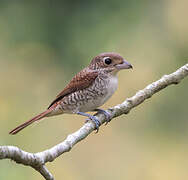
(27, 123)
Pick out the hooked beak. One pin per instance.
(124, 65)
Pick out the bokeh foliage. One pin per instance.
(44, 43)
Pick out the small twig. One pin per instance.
(44, 172)
(38, 160)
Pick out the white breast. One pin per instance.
(111, 87)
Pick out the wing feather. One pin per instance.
(81, 81)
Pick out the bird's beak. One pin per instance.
(124, 65)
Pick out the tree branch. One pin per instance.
(38, 160)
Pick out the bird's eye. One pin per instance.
(107, 61)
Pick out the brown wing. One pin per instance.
(81, 81)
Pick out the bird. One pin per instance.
(87, 91)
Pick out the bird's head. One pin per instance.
(109, 62)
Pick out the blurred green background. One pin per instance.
(44, 43)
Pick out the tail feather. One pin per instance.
(27, 123)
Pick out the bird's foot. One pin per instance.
(96, 122)
(107, 115)
(92, 118)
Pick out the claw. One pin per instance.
(92, 118)
(107, 115)
(97, 123)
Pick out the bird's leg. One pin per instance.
(107, 115)
(93, 118)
